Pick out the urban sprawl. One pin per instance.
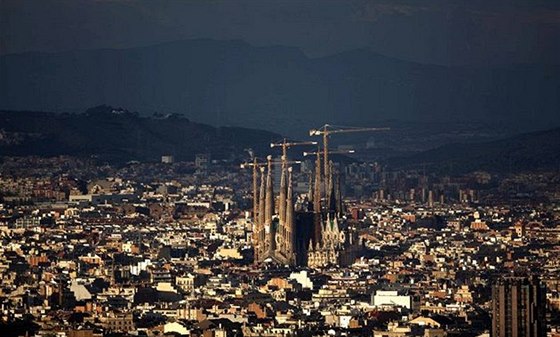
(275, 247)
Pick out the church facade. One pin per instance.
(311, 233)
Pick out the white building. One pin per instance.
(302, 278)
(383, 298)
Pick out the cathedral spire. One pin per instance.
(259, 237)
(255, 191)
(317, 187)
(282, 197)
(269, 201)
(317, 201)
(262, 199)
(289, 228)
(339, 204)
(332, 194)
(255, 227)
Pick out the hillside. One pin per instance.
(533, 151)
(119, 135)
(277, 88)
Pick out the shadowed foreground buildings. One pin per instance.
(518, 306)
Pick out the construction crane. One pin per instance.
(286, 145)
(255, 163)
(326, 130)
(305, 154)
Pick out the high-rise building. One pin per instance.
(518, 307)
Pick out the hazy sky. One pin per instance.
(431, 31)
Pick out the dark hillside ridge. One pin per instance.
(119, 135)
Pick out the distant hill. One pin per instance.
(529, 152)
(277, 88)
(118, 135)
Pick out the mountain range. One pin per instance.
(278, 88)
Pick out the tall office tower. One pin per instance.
(518, 307)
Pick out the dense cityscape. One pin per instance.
(279, 168)
(209, 248)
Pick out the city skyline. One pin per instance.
(279, 168)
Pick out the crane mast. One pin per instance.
(285, 146)
(325, 131)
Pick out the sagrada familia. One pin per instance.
(308, 233)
